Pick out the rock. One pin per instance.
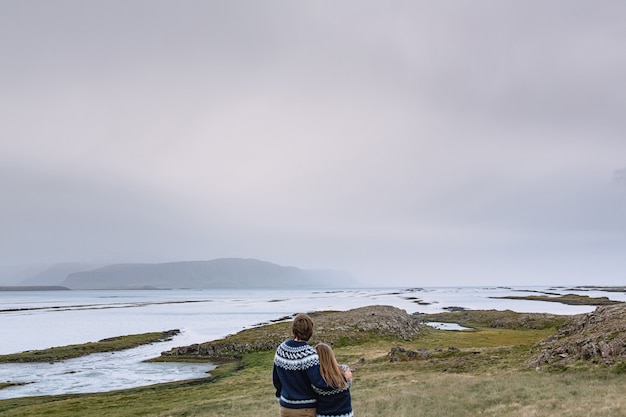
(599, 337)
(382, 320)
(454, 308)
(400, 354)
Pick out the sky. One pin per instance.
(420, 143)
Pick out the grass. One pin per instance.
(571, 299)
(485, 375)
(56, 354)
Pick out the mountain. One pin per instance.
(15, 274)
(55, 274)
(217, 273)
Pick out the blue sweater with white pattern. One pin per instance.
(296, 372)
(334, 402)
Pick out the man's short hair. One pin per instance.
(302, 326)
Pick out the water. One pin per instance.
(39, 320)
(447, 326)
(95, 373)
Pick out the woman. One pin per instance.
(334, 400)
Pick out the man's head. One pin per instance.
(302, 327)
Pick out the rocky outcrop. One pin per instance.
(599, 336)
(330, 327)
(381, 320)
(400, 354)
(221, 349)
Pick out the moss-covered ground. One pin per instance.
(60, 353)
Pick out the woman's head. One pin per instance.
(325, 352)
(302, 327)
(329, 368)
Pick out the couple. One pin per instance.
(309, 382)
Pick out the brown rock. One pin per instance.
(599, 336)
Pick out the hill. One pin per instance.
(333, 327)
(55, 274)
(217, 273)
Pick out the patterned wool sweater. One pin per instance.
(296, 372)
(334, 402)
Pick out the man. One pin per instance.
(296, 370)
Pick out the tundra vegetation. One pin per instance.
(113, 344)
(401, 367)
(571, 299)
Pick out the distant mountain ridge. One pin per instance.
(217, 273)
(54, 274)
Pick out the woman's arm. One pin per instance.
(347, 372)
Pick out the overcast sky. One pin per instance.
(408, 142)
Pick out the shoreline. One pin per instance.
(112, 344)
(33, 288)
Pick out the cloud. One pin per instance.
(369, 137)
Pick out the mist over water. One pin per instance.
(39, 320)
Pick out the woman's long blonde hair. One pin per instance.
(329, 368)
